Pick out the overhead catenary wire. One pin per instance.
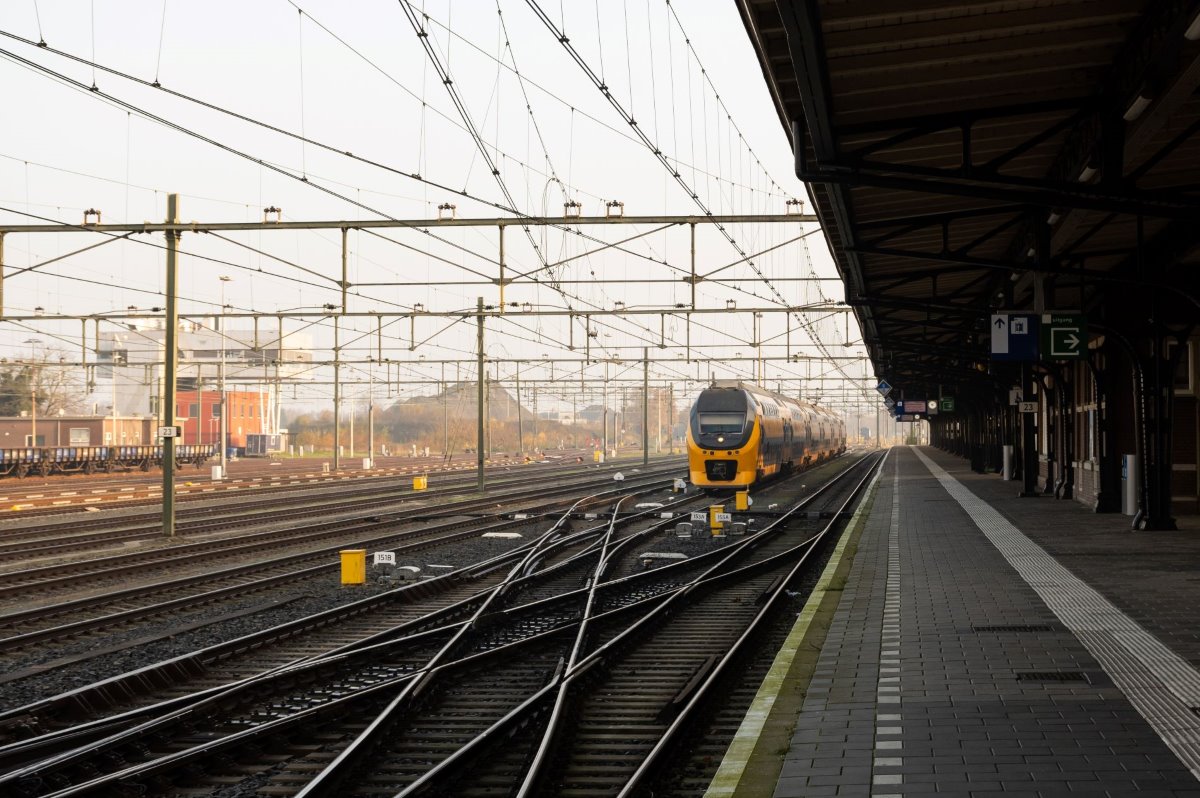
(304, 171)
(265, 164)
(230, 149)
(672, 14)
(460, 105)
(598, 82)
(574, 109)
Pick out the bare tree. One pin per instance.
(60, 388)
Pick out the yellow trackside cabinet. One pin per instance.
(741, 500)
(354, 566)
(421, 483)
(715, 522)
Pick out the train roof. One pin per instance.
(758, 390)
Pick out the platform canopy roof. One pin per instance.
(968, 155)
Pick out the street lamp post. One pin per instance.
(221, 376)
(32, 390)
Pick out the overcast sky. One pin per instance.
(354, 76)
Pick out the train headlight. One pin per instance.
(720, 439)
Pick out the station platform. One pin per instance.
(983, 644)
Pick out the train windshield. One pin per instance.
(721, 422)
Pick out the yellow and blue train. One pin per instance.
(740, 434)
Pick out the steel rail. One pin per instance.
(599, 550)
(437, 778)
(305, 496)
(654, 760)
(21, 581)
(90, 697)
(370, 649)
(427, 536)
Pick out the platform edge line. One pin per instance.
(748, 765)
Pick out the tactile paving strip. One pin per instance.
(1163, 687)
(888, 761)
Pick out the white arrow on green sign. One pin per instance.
(1064, 336)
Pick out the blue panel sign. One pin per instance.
(883, 387)
(1014, 336)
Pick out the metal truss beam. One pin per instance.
(930, 219)
(489, 311)
(371, 224)
(905, 304)
(944, 121)
(1044, 194)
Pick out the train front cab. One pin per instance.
(723, 439)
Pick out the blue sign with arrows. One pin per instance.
(1014, 336)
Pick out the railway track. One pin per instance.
(49, 539)
(145, 592)
(319, 541)
(472, 698)
(56, 496)
(356, 624)
(71, 494)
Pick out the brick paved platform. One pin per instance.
(990, 645)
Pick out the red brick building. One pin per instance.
(199, 413)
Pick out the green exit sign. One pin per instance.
(946, 404)
(1064, 336)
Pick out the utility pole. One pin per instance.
(172, 364)
(221, 378)
(671, 417)
(658, 426)
(645, 405)
(371, 416)
(278, 382)
(604, 437)
(479, 407)
(337, 398)
(520, 429)
(114, 406)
